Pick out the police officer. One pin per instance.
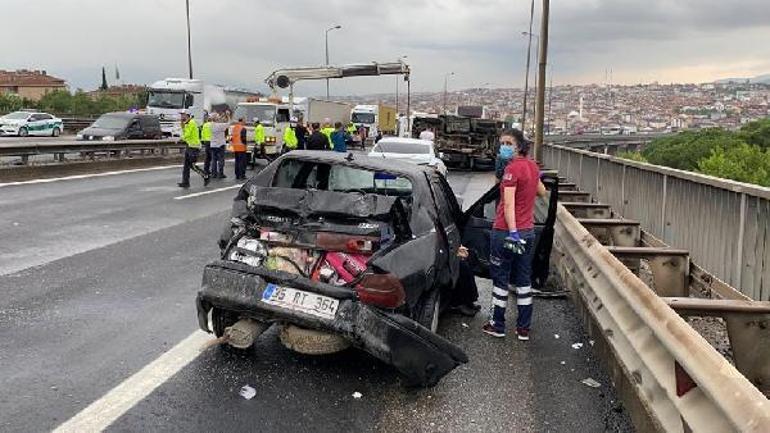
(513, 238)
(259, 140)
(290, 137)
(206, 141)
(191, 137)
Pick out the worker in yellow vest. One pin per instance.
(259, 139)
(206, 134)
(290, 137)
(191, 137)
(327, 130)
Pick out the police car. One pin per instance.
(24, 123)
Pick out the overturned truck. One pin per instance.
(463, 142)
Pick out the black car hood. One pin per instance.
(100, 132)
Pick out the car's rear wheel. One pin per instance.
(23, 132)
(56, 132)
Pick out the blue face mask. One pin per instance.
(506, 151)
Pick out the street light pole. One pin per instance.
(526, 77)
(326, 40)
(446, 79)
(189, 51)
(540, 111)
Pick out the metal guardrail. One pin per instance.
(725, 225)
(670, 378)
(88, 148)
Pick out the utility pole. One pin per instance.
(526, 77)
(540, 107)
(326, 40)
(189, 48)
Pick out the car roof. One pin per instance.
(357, 160)
(406, 140)
(120, 114)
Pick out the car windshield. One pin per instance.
(399, 147)
(265, 113)
(298, 174)
(17, 115)
(111, 121)
(363, 118)
(166, 99)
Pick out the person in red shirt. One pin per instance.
(513, 237)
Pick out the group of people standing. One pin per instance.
(212, 136)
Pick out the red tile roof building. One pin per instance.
(29, 84)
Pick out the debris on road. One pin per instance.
(590, 382)
(577, 346)
(556, 336)
(591, 342)
(247, 392)
(563, 363)
(465, 325)
(357, 395)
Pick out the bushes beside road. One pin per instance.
(743, 155)
(79, 104)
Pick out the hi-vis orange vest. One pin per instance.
(236, 145)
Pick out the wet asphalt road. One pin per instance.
(97, 280)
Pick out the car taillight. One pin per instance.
(347, 243)
(382, 290)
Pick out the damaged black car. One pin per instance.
(345, 251)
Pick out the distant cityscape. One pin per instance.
(570, 109)
(594, 109)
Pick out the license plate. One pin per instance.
(300, 300)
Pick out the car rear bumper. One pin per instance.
(420, 355)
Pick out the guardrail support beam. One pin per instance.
(613, 232)
(588, 210)
(669, 267)
(748, 328)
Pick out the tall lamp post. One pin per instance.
(524, 110)
(446, 80)
(526, 77)
(326, 40)
(189, 51)
(542, 62)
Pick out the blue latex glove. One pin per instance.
(514, 242)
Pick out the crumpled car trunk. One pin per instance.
(421, 356)
(326, 243)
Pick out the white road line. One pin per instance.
(211, 191)
(87, 176)
(119, 400)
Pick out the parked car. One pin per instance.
(342, 250)
(24, 123)
(412, 150)
(122, 126)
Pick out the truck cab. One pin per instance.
(274, 117)
(170, 96)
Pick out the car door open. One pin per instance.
(477, 223)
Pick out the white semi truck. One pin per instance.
(170, 96)
(375, 119)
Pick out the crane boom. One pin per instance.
(286, 77)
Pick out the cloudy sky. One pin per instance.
(239, 42)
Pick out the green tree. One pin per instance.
(743, 162)
(756, 133)
(686, 149)
(633, 156)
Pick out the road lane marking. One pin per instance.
(210, 191)
(119, 400)
(87, 176)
